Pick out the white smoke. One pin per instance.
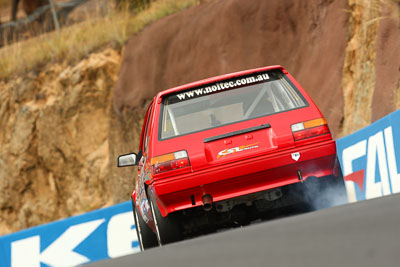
(325, 192)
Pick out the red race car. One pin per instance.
(229, 150)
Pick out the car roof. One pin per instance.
(217, 78)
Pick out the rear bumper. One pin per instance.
(244, 177)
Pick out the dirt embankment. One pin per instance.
(62, 127)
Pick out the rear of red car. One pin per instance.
(234, 142)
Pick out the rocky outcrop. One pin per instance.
(55, 148)
(386, 96)
(371, 73)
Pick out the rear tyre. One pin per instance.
(168, 229)
(146, 237)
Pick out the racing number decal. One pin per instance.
(236, 149)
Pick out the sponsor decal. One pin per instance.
(220, 86)
(296, 156)
(144, 208)
(228, 151)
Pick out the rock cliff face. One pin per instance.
(306, 37)
(54, 141)
(371, 72)
(63, 126)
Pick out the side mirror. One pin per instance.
(127, 160)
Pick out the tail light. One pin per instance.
(171, 161)
(309, 129)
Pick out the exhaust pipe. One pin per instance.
(207, 202)
(300, 176)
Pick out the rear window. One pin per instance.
(227, 102)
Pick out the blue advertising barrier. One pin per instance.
(370, 159)
(101, 234)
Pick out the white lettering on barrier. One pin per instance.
(391, 157)
(350, 154)
(376, 152)
(121, 233)
(26, 252)
(381, 153)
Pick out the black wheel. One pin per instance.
(146, 237)
(168, 229)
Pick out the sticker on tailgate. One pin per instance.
(296, 156)
(228, 151)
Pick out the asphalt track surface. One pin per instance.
(366, 233)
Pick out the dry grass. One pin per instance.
(75, 42)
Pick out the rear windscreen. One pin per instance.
(227, 102)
